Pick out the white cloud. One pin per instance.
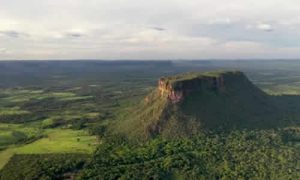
(265, 27)
(156, 29)
(221, 21)
(3, 50)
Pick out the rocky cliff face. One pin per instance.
(176, 91)
(185, 104)
(166, 89)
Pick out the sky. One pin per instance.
(152, 30)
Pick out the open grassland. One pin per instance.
(61, 141)
(16, 133)
(24, 95)
(278, 82)
(38, 121)
(12, 111)
(55, 141)
(287, 89)
(19, 105)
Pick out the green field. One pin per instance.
(38, 121)
(14, 133)
(55, 141)
(47, 121)
(12, 111)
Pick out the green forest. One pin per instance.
(89, 120)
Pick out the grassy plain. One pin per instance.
(29, 125)
(55, 141)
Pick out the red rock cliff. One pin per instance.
(176, 91)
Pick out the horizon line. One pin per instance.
(208, 59)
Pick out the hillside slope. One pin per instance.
(186, 104)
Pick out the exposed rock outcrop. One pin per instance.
(176, 89)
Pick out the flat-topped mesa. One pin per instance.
(175, 88)
(187, 104)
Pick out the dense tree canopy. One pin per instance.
(238, 155)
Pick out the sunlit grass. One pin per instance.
(23, 95)
(12, 111)
(56, 141)
(6, 133)
(61, 140)
(283, 90)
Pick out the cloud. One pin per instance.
(3, 50)
(265, 27)
(153, 29)
(13, 34)
(220, 21)
(158, 28)
(73, 35)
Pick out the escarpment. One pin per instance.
(176, 88)
(189, 103)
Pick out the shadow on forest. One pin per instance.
(289, 104)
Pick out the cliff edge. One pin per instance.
(189, 103)
(175, 88)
